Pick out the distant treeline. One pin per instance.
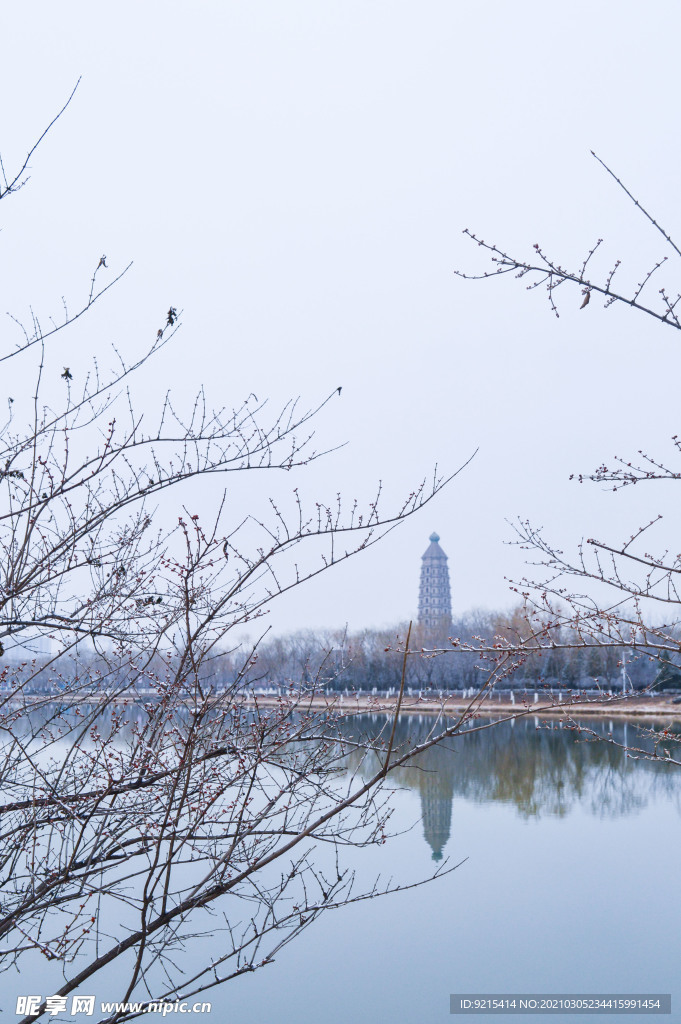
(359, 661)
(339, 661)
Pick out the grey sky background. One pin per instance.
(295, 176)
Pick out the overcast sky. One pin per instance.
(295, 176)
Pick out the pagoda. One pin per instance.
(436, 787)
(435, 607)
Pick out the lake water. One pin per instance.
(571, 885)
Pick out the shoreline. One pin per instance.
(493, 704)
(633, 706)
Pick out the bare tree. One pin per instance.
(609, 593)
(144, 804)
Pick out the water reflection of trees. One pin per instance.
(542, 768)
(539, 767)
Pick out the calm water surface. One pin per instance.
(571, 884)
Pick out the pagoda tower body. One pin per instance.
(435, 606)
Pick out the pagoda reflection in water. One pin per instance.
(538, 767)
(436, 789)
